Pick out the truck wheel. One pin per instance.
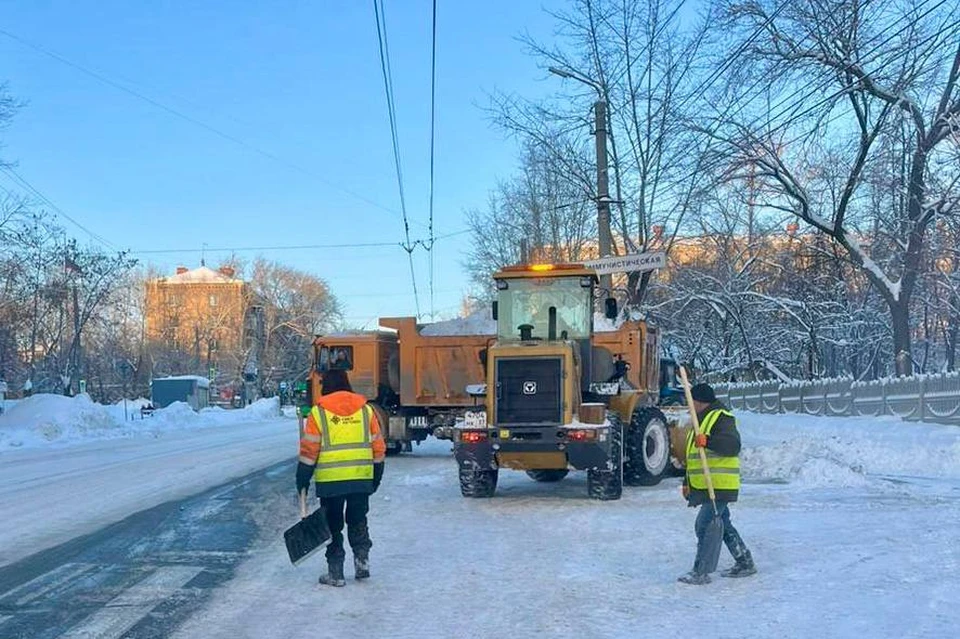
(547, 476)
(607, 483)
(647, 448)
(478, 483)
(394, 448)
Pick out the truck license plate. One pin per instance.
(476, 419)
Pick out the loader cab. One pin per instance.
(540, 365)
(545, 302)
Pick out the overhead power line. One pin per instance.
(285, 247)
(433, 139)
(22, 182)
(392, 115)
(187, 118)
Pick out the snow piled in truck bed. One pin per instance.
(42, 420)
(482, 323)
(479, 323)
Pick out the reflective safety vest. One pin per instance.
(346, 454)
(724, 471)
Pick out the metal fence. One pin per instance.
(930, 398)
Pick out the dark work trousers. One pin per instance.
(356, 508)
(708, 541)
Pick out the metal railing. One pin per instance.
(930, 398)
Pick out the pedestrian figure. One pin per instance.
(721, 441)
(342, 451)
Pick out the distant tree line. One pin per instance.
(71, 311)
(832, 123)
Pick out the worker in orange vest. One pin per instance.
(342, 451)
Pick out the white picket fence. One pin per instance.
(930, 398)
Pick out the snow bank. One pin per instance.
(804, 462)
(42, 420)
(815, 451)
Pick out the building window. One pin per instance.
(213, 300)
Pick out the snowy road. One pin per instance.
(142, 576)
(842, 553)
(853, 522)
(51, 495)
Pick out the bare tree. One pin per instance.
(296, 306)
(646, 64)
(540, 211)
(8, 107)
(859, 164)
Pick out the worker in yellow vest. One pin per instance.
(721, 441)
(342, 451)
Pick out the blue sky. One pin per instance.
(296, 80)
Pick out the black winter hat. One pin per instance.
(703, 393)
(335, 380)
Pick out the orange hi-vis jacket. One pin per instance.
(349, 428)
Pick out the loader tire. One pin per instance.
(548, 476)
(647, 448)
(606, 484)
(478, 483)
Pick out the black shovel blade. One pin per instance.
(307, 536)
(714, 535)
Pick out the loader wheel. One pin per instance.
(606, 483)
(647, 448)
(547, 476)
(478, 483)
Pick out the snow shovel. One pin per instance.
(308, 535)
(716, 525)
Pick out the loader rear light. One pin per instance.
(582, 435)
(473, 436)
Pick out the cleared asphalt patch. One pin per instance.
(143, 576)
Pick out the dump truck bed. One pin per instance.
(435, 370)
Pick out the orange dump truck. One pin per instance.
(417, 375)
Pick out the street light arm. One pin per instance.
(563, 73)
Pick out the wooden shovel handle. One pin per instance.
(303, 504)
(696, 429)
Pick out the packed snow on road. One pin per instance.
(69, 466)
(852, 521)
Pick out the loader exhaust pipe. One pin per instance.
(552, 324)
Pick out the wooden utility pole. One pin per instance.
(603, 189)
(77, 356)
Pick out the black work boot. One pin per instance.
(361, 566)
(334, 576)
(694, 578)
(743, 568)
